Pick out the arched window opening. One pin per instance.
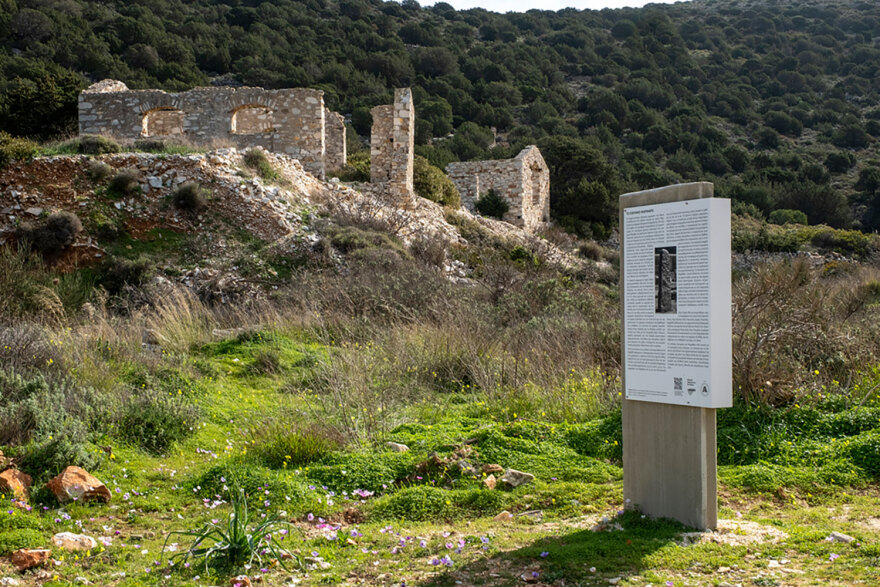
(252, 119)
(162, 122)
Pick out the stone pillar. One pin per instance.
(381, 139)
(334, 138)
(403, 132)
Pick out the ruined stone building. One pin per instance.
(392, 146)
(523, 180)
(290, 121)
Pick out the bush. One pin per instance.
(357, 168)
(416, 504)
(98, 171)
(49, 423)
(125, 184)
(591, 250)
(190, 197)
(256, 159)
(864, 452)
(492, 204)
(117, 273)
(348, 239)
(12, 540)
(15, 149)
(785, 216)
(282, 446)
(266, 362)
(155, 419)
(432, 184)
(96, 145)
(52, 236)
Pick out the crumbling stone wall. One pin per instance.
(523, 180)
(392, 146)
(334, 137)
(290, 121)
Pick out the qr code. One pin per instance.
(677, 383)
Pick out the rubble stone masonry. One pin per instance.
(392, 146)
(523, 180)
(290, 121)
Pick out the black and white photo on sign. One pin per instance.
(665, 295)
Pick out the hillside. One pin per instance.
(775, 102)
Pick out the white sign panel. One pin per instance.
(677, 303)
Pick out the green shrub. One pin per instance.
(266, 362)
(256, 159)
(155, 419)
(591, 250)
(18, 520)
(784, 216)
(15, 149)
(348, 239)
(370, 471)
(190, 197)
(432, 184)
(96, 145)
(283, 446)
(417, 504)
(492, 204)
(12, 540)
(864, 450)
(255, 479)
(51, 236)
(98, 171)
(117, 273)
(357, 168)
(125, 184)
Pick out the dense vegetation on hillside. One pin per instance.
(777, 102)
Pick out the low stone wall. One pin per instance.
(289, 121)
(523, 180)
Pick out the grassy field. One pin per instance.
(365, 514)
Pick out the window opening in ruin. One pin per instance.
(252, 119)
(162, 122)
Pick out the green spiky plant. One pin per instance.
(235, 543)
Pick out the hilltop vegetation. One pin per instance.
(776, 102)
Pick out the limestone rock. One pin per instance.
(492, 469)
(490, 482)
(516, 478)
(839, 537)
(71, 541)
(28, 558)
(397, 447)
(466, 468)
(9, 582)
(76, 484)
(503, 516)
(15, 482)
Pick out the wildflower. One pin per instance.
(545, 554)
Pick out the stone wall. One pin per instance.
(334, 139)
(392, 146)
(290, 121)
(523, 180)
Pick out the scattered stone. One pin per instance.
(503, 516)
(9, 582)
(240, 581)
(516, 478)
(397, 447)
(28, 558)
(76, 484)
(534, 515)
(34, 211)
(614, 581)
(492, 469)
(82, 581)
(15, 482)
(530, 577)
(465, 468)
(490, 482)
(316, 562)
(71, 541)
(839, 537)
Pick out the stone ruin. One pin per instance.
(523, 180)
(296, 122)
(392, 146)
(290, 121)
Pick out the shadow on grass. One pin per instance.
(570, 558)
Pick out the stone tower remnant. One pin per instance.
(523, 180)
(290, 121)
(392, 146)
